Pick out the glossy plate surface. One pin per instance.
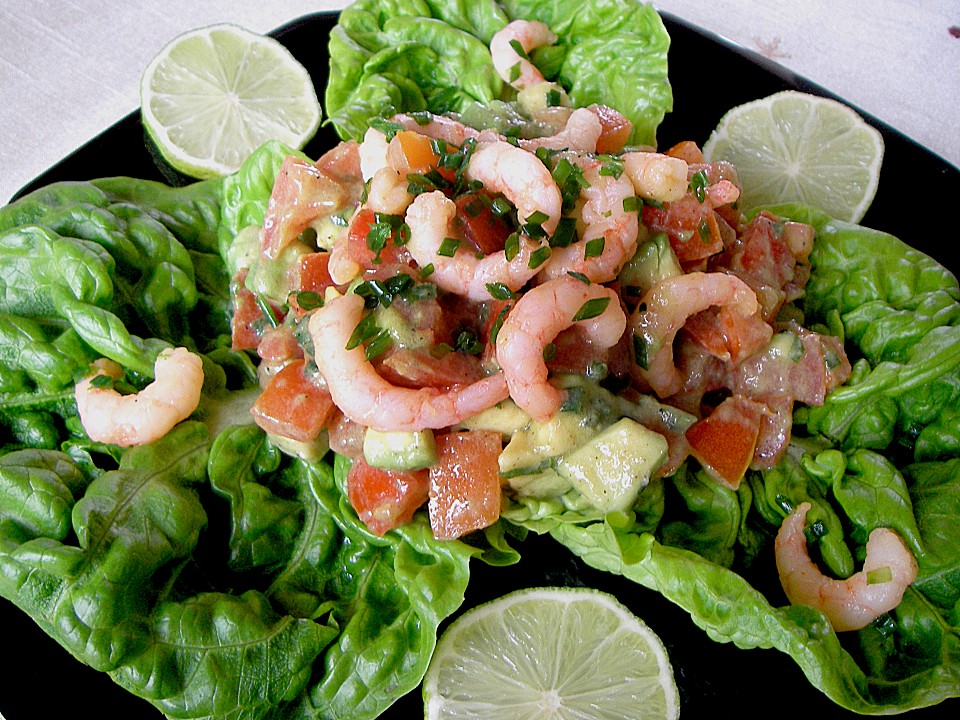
(41, 680)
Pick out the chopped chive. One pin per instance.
(421, 117)
(402, 236)
(641, 351)
(593, 248)
(365, 329)
(538, 257)
(553, 98)
(378, 345)
(448, 248)
(698, 185)
(440, 350)
(439, 146)
(579, 276)
(565, 234)
(498, 323)
(309, 300)
(387, 127)
(549, 351)
(880, 575)
(420, 291)
(611, 166)
(102, 382)
(467, 342)
(533, 230)
(632, 204)
(518, 49)
(377, 237)
(266, 310)
(703, 229)
(651, 202)
(573, 402)
(499, 291)
(427, 270)
(514, 73)
(512, 246)
(591, 309)
(500, 206)
(537, 216)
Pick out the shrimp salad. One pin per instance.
(458, 325)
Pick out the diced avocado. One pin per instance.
(611, 468)
(272, 278)
(504, 417)
(312, 451)
(244, 251)
(531, 447)
(399, 330)
(399, 450)
(653, 261)
(543, 484)
(787, 345)
(540, 96)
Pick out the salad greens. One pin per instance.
(215, 576)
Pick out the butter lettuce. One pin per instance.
(410, 55)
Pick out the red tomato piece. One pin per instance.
(360, 252)
(385, 499)
(465, 490)
(293, 406)
(417, 368)
(315, 272)
(479, 225)
(247, 324)
(615, 129)
(724, 442)
(687, 222)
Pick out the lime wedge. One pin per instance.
(565, 653)
(796, 147)
(213, 95)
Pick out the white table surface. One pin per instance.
(70, 69)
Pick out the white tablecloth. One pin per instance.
(70, 69)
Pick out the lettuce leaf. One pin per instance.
(410, 55)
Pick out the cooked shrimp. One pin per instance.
(429, 219)
(537, 318)
(656, 176)
(441, 127)
(109, 417)
(605, 221)
(581, 133)
(520, 176)
(373, 153)
(388, 192)
(366, 398)
(853, 603)
(665, 309)
(510, 65)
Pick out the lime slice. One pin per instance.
(550, 653)
(213, 95)
(796, 147)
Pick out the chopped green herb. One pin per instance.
(440, 350)
(365, 330)
(573, 402)
(498, 323)
(549, 351)
(611, 166)
(378, 345)
(500, 206)
(427, 270)
(880, 575)
(514, 73)
(387, 127)
(512, 246)
(632, 204)
(377, 237)
(266, 310)
(309, 300)
(518, 49)
(448, 248)
(499, 291)
(698, 185)
(641, 351)
(591, 309)
(538, 257)
(565, 234)
(593, 248)
(579, 276)
(703, 229)
(651, 202)
(102, 382)
(553, 98)
(467, 342)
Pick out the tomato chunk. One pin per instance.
(615, 129)
(361, 253)
(465, 486)
(292, 405)
(417, 368)
(385, 499)
(724, 442)
(247, 324)
(479, 225)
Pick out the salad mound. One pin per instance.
(493, 309)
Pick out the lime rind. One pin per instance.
(213, 95)
(797, 147)
(550, 652)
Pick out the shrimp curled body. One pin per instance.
(510, 65)
(368, 399)
(109, 417)
(849, 604)
(539, 315)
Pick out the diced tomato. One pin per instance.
(314, 272)
(279, 345)
(724, 442)
(686, 150)
(385, 499)
(615, 129)
(417, 151)
(301, 192)
(293, 406)
(774, 432)
(496, 311)
(465, 491)
(247, 323)
(687, 222)
(479, 225)
(360, 252)
(346, 436)
(728, 335)
(418, 367)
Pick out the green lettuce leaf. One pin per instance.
(403, 56)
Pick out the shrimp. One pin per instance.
(581, 132)
(849, 604)
(366, 398)
(388, 192)
(109, 417)
(665, 309)
(440, 127)
(429, 219)
(538, 317)
(607, 223)
(656, 176)
(520, 176)
(373, 153)
(511, 66)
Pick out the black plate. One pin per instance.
(709, 76)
